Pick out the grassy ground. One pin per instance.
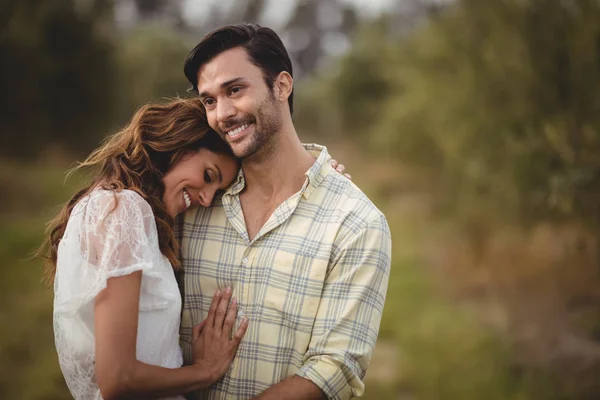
(428, 348)
(441, 350)
(29, 367)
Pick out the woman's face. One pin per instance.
(195, 179)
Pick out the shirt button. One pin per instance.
(245, 260)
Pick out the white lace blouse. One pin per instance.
(109, 235)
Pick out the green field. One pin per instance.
(428, 347)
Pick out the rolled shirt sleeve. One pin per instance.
(349, 314)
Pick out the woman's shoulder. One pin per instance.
(111, 206)
(123, 199)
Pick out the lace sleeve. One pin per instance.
(112, 234)
(116, 233)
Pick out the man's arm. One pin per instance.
(348, 318)
(293, 388)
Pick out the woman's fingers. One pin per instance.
(222, 310)
(197, 330)
(210, 319)
(241, 331)
(340, 168)
(195, 333)
(230, 318)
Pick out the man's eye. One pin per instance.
(207, 177)
(235, 89)
(209, 102)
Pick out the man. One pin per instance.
(306, 253)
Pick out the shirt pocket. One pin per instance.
(293, 287)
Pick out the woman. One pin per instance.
(112, 255)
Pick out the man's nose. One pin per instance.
(225, 110)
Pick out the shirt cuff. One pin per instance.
(329, 377)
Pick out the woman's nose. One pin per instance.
(206, 197)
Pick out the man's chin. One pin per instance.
(242, 150)
(240, 146)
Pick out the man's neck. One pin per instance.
(282, 170)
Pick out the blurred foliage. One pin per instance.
(67, 80)
(444, 351)
(57, 75)
(151, 67)
(494, 100)
(29, 368)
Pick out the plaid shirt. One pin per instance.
(312, 284)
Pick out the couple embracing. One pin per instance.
(213, 255)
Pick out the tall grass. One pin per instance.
(429, 347)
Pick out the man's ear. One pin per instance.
(283, 85)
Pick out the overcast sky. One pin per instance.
(276, 11)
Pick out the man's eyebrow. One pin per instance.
(223, 85)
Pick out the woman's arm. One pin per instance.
(120, 375)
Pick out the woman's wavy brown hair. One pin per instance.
(136, 158)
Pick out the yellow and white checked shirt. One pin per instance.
(312, 284)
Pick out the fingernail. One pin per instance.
(227, 290)
(218, 293)
(234, 301)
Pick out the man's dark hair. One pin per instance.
(265, 50)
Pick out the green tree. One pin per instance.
(498, 100)
(56, 75)
(150, 60)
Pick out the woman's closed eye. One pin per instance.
(207, 177)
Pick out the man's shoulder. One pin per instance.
(360, 225)
(341, 196)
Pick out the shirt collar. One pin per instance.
(237, 186)
(314, 176)
(319, 170)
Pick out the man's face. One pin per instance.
(239, 105)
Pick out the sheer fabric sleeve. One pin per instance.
(113, 234)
